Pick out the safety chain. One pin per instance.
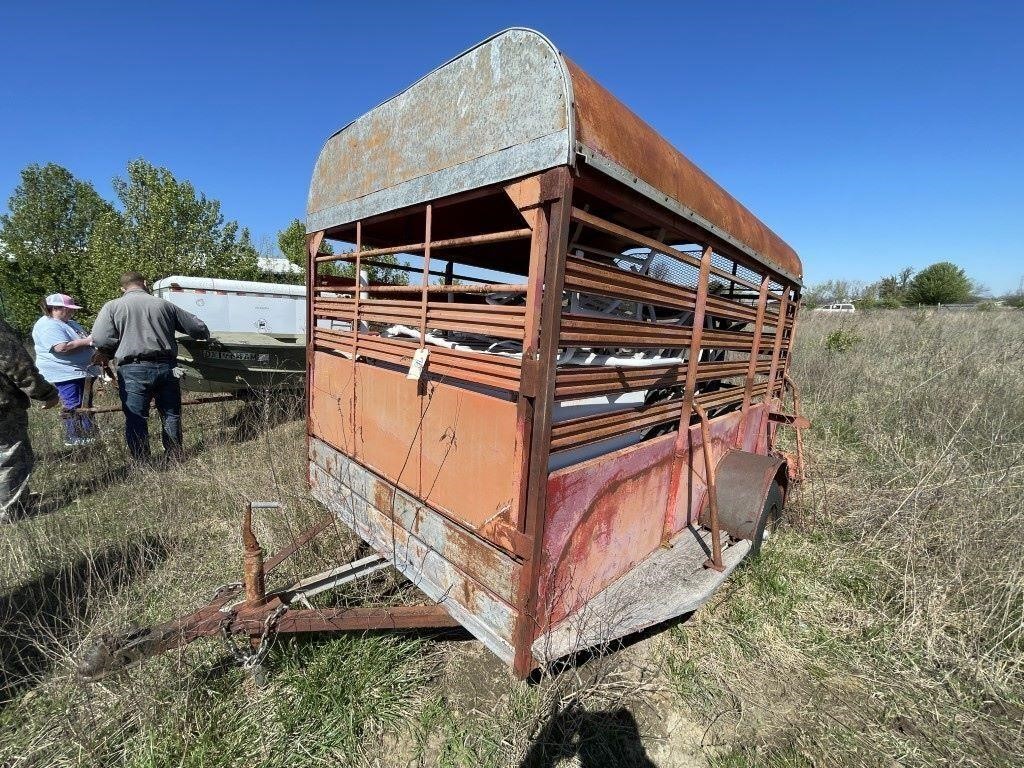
(249, 660)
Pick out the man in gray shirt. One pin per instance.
(137, 330)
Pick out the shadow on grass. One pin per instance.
(64, 493)
(38, 618)
(603, 739)
(581, 658)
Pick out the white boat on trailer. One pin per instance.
(258, 334)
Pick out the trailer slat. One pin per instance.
(591, 429)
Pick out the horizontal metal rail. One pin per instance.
(591, 381)
(608, 280)
(589, 276)
(352, 619)
(489, 370)
(587, 331)
(502, 321)
(435, 245)
(592, 429)
(400, 268)
(642, 240)
(432, 289)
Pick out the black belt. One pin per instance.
(147, 357)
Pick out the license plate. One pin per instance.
(253, 357)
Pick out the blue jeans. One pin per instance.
(76, 425)
(138, 383)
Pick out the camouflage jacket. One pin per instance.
(19, 378)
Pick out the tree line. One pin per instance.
(940, 283)
(60, 236)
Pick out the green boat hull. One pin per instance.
(240, 362)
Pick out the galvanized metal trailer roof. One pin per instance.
(507, 108)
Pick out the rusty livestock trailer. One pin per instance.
(557, 417)
(562, 428)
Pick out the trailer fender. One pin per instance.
(751, 490)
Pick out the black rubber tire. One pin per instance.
(770, 516)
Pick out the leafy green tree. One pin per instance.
(889, 292)
(164, 228)
(292, 242)
(941, 283)
(45, 240)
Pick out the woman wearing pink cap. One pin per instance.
(63, 354)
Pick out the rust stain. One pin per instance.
(383, 498)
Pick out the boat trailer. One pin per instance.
(247, 617)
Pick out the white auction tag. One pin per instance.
(419, 359)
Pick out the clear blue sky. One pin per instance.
(870, 135)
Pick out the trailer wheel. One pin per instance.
(769, 519)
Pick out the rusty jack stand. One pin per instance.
(252, 557)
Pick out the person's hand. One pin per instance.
(53, 402)
(88, 339)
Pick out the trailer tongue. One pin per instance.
(247, 611)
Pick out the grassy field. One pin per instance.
(881, 626)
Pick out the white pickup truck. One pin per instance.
(847, 308)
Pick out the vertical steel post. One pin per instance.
(780, 329)
(530, 361)
(557, 188)
(755, 349)
(426, 275)
(686, 411)
(790, 339)
(357, 295)
(313, 242)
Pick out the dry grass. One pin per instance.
(883, 624)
